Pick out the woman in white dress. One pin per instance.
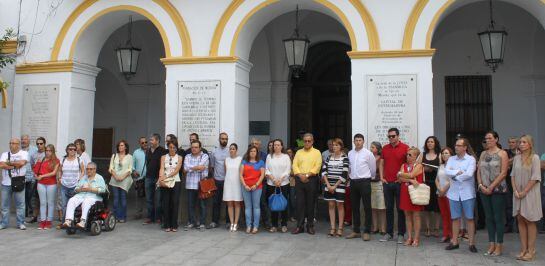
(232, 193)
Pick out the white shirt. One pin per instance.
(85, 159)
(462, 187)
(362, 164)
(19, 156)
(279, 167)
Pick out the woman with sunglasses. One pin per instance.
(121, 169)
(411, 173)
(170, 184)
(71, 171)
(46, 175)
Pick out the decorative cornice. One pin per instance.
(198, 60)
(45, 67)
(391, 53)
(8, 47)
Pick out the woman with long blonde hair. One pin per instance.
(526, 177)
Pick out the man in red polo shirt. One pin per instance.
(394, 155)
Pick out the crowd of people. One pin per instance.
(384, 178)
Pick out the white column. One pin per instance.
(280, 106)
(234, 96)
(420, 66)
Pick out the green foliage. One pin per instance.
(6, 59)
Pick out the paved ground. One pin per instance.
(135, 244)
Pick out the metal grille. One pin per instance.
(468, 108)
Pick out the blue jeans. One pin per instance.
(192, 199)
(251, 207)
(153, 200)
(66, 194)
(19, 205)
(47, 195)
(120, 203)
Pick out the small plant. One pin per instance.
(6, 59)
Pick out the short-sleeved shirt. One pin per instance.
(217, 160)
(44, 167)
(19, 156)
(252, 172)
(70, 172)
(29, 176)
(393, 158)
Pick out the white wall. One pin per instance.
(517, 86)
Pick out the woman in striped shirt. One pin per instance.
(335, 176)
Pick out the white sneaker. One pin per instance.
(2, 227)
(22, 227)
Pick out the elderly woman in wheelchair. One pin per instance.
(88, 192)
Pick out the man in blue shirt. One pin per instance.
(217, 166)
(138, 174)
(461, 194)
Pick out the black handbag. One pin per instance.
(17, 182)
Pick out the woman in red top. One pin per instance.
(46, 175)
(411, 173)
(252, 172)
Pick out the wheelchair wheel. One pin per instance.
(71, 231)
(95, 228)
(109, 223)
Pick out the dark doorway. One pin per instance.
(468, 108)
(320, 97)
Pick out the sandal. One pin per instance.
(521, 255)
(428, 233)
(167, 230)
(340, 232)
(173, 230)
(408, 242)
(415, 243)
(331, 232)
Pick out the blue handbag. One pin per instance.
(277, 201)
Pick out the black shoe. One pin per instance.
(444, 240)
(451, 246)
(473, 249)
(310, 230)
(32, 219)
(298, 230)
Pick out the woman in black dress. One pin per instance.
(431, 160)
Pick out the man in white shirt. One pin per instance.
(461, 194)
(13, 164)
(363, 167)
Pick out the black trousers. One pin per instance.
(285, 190)
(30, 191)
(264, 206)
(306, 198)
(216, 204)
(360, 190)
(391, 195)
(171, 204)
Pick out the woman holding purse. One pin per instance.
(278, 168)
(169, 183)
(411, 173)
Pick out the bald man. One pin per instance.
(13, 167)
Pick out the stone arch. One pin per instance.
(426, 16)
(168, 22)
(252, 16)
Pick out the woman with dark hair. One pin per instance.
(71, 171)
(169, 183)
(378, 205)
(252, 172)
(232, 190)
(270, 149)
(121, 169)
(46, 175)
(335, 177)
(278, 169)
(80, 150)
(491, 173)
(431, 160)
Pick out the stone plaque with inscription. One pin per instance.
(40, 109)
(199, 111)
(392, 102)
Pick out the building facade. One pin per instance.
(215, 66)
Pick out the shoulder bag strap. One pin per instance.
(9, 159)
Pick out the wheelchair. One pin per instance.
(99, 219)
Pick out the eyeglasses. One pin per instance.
(144, 142)
(14, 143)
(39, 143)
(91, 169)
(307, 141)
(72, 149)
(392, 136)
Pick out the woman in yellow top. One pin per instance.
(121, 169)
